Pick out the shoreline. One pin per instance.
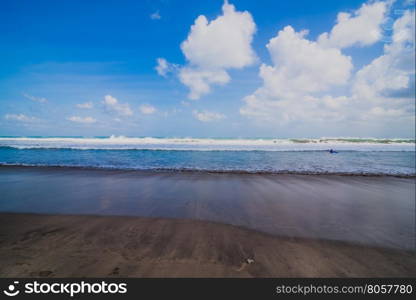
(111, 246)
(205, 171)
(373, 211)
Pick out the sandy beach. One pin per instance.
(255, 139)
(374, 211)
(98, 246)
(58, 222)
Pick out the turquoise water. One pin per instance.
(355, 156)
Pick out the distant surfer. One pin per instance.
(332, 151)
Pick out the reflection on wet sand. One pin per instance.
(378, 211)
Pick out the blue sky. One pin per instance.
(87, 68)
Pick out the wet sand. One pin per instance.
(105, 246)
(373, 211)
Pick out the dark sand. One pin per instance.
(290, 225)
(98, 246)
(374, 211)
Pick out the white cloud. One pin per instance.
(206, 116)
(86, 105)
(213, 47)
(20, 118)
(112, 105)
(393, 70)
(155, 16)
(85, 120)
(163, 67)
(199, 81)
(221, 43)
(147, 109)
(35, 99)
(382, 112)
(300, 87)
(305, 108)
(361, 28)
(299, 67)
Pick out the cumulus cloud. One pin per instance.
(207, 116)
(393, 70)
(300, 67)
(199, 81)
(362, 28)
(86, 105)
(85, 120)
(20, 118)
(147, 109)
(35, 99)
(213, 47)
(112, 105)
(303, 84)
(221, 43)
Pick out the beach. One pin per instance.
(80, 222)
(255, 139)
(104, 246)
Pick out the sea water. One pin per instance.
(305, 156)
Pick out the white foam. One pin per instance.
(209, 144)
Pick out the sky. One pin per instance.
(237, 68)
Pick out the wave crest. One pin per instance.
(207, 144)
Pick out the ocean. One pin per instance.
(301, 156)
